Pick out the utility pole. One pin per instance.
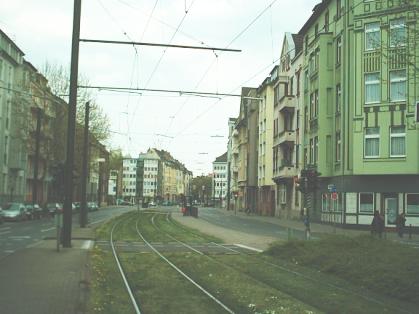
(83, 203)
(68, 173)
(36, 159)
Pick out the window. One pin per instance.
(412, 204)
(398, 33)
(297, 77)
(314, 104)
(366, 202)
(338, 9)
(372, 88)
(338, 97)
(338, 145)
(316, 30)
(326, 21)
(316, 149)
(291, 91)
(338, 50)
(372, 36)
(311, 150)
(398, 85)
(397, 141)
(372, 142)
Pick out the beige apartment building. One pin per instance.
(266, 187)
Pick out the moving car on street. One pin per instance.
(52, 208)
(14, 211)
(92, 206)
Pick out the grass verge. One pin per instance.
(385, 267)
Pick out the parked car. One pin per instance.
(52, 208)
(92, 206)
(33, 211)
(77, 206)
(14, 211)
(152, 203)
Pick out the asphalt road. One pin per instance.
(15, 236)
(251, 226)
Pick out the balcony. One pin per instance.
(286, 138)
(286, 103)
(285, 171)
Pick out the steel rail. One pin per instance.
(299, 274)
(227, 309)
(173, 238)
(127, 286)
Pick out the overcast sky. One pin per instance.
(193, 129)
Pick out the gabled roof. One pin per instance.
(222, 158)
(317, 11)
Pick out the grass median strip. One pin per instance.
(385, 267)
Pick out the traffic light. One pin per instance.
(312, 176)
(301, 184)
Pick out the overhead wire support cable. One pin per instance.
(131, 43)
(180, 92)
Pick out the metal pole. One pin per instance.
(228, 185)
(68, 173)
(83, 203)
(36, 159)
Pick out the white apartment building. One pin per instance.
(129, 179)
(219, 179)
(151, 168)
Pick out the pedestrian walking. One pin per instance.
(377, 224)
(400, 224)
(306, 221)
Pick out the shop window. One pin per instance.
(366, 202)
(412, 204)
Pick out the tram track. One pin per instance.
(287, 270)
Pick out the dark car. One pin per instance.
(33, 211)
(14, 211)
(52, 208)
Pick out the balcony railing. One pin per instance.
(285, 170)
(286, 103)
(286, 138)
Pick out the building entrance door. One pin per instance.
(390, 208)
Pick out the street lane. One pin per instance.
(241, 224)
(15, 236)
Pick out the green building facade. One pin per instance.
(360, 92)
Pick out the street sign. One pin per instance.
(334, 196)
(331, 188)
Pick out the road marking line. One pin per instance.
(49, 229)
(20, 237)
(5, 232)
(248, 247)
(8, 251)
(87, 245)
(4, 228)
(100, 220)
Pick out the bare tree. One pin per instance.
(59, 81)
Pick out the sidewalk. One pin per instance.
(41, 280)
(318, 228)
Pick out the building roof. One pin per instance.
(222, 158)
(166, 157)
(298, 42)
(317, 11)
(11, 42)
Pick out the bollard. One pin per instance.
(58, 224)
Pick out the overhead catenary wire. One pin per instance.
(216, 59)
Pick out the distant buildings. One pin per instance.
(155, 176)
(219, 179)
